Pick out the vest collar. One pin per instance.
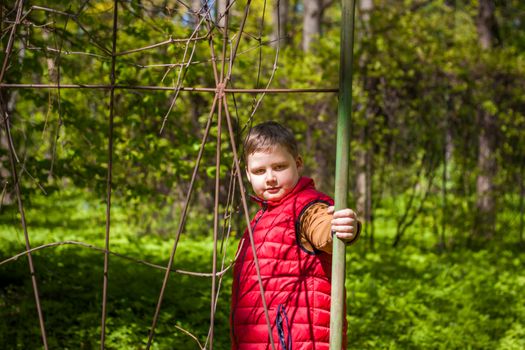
(303, 183)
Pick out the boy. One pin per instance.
(292, 233)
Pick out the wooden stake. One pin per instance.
(341, 170)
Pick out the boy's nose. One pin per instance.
(270, 176)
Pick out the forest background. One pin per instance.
(437, 164)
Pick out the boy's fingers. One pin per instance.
(343, 228)
(344, 213)
(343, 221)
(330, 209)
(345, 236)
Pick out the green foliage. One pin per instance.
(417, 299)
(406, 298)
(70, 283)
(420, 79)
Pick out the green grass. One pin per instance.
(416, 299)
(412, 297)
(70, 279)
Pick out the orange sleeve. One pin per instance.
(315, 226)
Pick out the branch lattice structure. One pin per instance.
(205, 43)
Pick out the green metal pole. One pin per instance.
(341, 170)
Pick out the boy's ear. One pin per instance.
(299, 163)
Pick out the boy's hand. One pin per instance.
(344, 224)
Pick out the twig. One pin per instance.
(190, 335)
(167, 88)
(139, 261)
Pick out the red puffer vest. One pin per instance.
(296, 281)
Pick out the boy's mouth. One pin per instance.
(273, 190)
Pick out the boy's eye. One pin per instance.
(280, 167)
(258, 171)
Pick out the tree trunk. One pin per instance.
(220, 8)
(280, 21)
(361, 176)
(522, 206)
(368, 217)
(364, 172)
(6, 197)
(196, 8)
(448, 149)
(486, 201)
(321, 148)
(364, 154)
(311, 22)
(488, 33)
(365, 7)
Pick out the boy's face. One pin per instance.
(273, 173)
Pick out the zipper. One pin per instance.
(281, 320)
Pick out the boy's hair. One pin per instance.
(264, 136)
